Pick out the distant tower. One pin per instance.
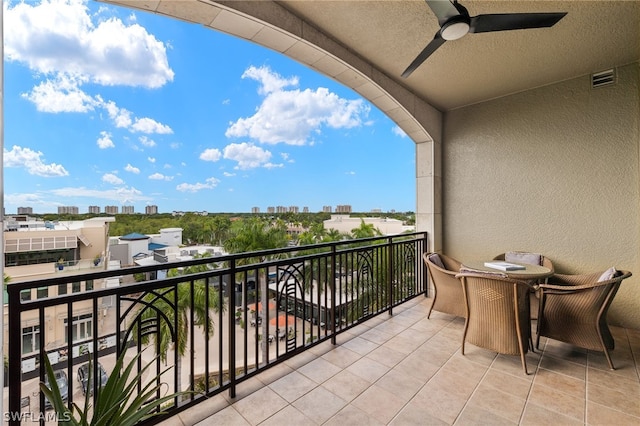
(67, 210)
(94, 209)
(152, 209)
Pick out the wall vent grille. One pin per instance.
(603, 78)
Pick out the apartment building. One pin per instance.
(68, 210)
(111, 209)
(94, 209)
(152, 209)
(343, 208)
(39, 250)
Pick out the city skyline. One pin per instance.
(153, 209)
(111, 106)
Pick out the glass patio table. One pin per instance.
(529, 273)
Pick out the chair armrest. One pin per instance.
(571, 283)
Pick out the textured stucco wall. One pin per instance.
(553, 170)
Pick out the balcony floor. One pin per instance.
(408, 370)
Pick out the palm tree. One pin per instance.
(256, 234)
(162, 301)
(365, 230)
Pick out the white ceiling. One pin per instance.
(389, 34)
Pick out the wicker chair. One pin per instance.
(573, 309)
(497, 313)
(447, 296)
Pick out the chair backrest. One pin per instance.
(497, 312)
(574, 309)
(448, 290)
(526, 257)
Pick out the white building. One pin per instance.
(346, 223)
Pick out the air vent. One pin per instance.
(603, 78)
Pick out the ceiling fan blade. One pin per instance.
(426, 52)
(513, 21)
(443, 9)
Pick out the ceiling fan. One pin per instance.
(455, 22)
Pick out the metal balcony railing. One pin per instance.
(215, 321)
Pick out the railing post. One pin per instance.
(15, 382)
(390, 264)
(425, 273)
(232, 328)
(333, 294)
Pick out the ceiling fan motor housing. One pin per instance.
(455, 28)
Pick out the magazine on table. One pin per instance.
(504, 266)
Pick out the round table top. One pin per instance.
(531, 272)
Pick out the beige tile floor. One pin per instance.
(406, 369)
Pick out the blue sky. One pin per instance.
(111, 106)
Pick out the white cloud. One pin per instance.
(112, 179)
(122, 118)
(60, 36)
(227, 174)
(61, 94)
(292, 116)
(286, 158)
(211, 154)
(247, 155)
(132, 169)
(104, 141)
(149, 125)
(150, 143)
(351, 173)
(151, 159)
(67, 48)
(160, 176)
(273, 165)
(210, 183)
(33, 162)
(270, 81)
(398, 131)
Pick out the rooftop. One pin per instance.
(406, 369)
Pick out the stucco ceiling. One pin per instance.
(389, 34)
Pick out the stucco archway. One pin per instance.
(272, 26)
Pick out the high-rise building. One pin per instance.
(271, 209)
(127, 209)
(25, 210)
(255, 210)
(111, 209)
(94, 209)
(67, 210)
(327, 209)
(152, 209)
(281, 209)
(343, 208)
(305, 210)
(294, 209)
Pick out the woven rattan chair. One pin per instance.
(497, 313)
(573, 309)
(447, 296)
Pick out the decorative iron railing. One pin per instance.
(215, 321)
